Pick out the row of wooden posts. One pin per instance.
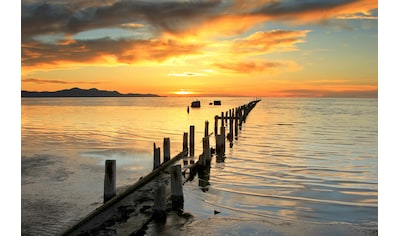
(233, 118)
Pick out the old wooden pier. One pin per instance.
(161, 191)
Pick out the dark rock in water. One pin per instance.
(196, 104)
(216, 212)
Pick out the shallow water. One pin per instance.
(295, 160)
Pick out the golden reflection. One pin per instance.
(284, 171)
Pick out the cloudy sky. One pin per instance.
(268, 48)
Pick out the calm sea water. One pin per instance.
(307, 160)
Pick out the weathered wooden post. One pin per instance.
(157, 156)
(185, 147)
(244, 110)
(185, 143)
(223, 133)
(218, 138)
(201, 158)
(222, 119)
(236, 123)
(192, 134)
(176, 188)
(166, 149)
(220, 142)
(159, 209)
(240, 116)
(206, 131)
(231, 128)
(216, 125)
(109, 180)
(205, 157)
(207, 149)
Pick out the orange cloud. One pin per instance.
(188, 35)
(261, 42)
(298, 12)
(44, 81)
(103, 51)
(178, 20)
(248, 67)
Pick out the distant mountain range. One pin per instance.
(77, 92)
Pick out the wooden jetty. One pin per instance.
(161, 191)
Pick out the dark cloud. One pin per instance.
(66, 19)
(71, 17)
(291, 8)
(46, 18)
(37, 19)
(59, 19)
(85, 51)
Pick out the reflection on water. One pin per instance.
(311, 160)
(302, 160)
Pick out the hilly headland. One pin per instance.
(78, 92)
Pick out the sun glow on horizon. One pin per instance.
(183, 92)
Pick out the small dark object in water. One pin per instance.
(216, 212)
(217, 103)
(196, 103)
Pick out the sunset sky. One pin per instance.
(264, 48)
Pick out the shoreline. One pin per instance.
(119, 213)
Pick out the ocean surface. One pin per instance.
(294, 160)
